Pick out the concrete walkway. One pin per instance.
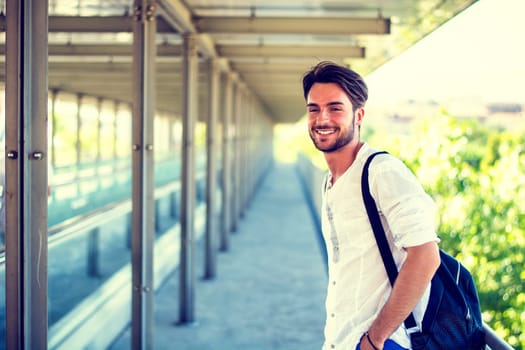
(270, 286)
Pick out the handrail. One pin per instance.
(79, 224)
(493, 340)
(90, 315)
(82, 223)
(88, 325)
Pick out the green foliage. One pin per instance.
(476, 176)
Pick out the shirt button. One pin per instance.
(333, 283)
(332, 346)
(333, 315)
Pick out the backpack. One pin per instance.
(452, 319)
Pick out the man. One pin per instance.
(362, 310)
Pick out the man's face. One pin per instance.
(331, 119)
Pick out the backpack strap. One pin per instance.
(380, 236)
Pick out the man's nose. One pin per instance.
(323, 115)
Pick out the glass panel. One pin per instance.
(89, 7)
(62, 175)
(164, 157)
(107, 131)
(65, 122)
(89, 243)
(89, 117)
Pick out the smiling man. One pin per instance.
(362, 310)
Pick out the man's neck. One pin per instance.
(338, 162)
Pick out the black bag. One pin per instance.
(452, 319)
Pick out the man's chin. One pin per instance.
(326, 148)
(325, 144)
(330, 147)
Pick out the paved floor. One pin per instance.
(270, 286)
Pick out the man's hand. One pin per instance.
(368, 344)
(420, 265)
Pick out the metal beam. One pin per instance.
(229, 51)
(26, 175)
(105, 50)
(95, 24)
(290, 51)
(273, 67)
(177, 14)
(293, 25)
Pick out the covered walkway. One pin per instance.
(270, 285)
(145, 112)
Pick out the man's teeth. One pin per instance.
(325, 131)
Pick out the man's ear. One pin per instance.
(359, 115)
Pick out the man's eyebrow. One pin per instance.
(335, 103)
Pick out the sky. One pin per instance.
(478, 55)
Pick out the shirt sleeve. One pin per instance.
(408, 209)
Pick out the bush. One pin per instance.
(476, 176)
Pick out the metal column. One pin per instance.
(249, 156)
(253, 150)
(226, 163)
(210, 256)
(189, 114)
(144, 54)
(245, 155)
(233, 160)
(26, 174)
(237, 152)
(240, 150)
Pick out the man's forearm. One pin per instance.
(415, 274)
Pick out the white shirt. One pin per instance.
(358, 285)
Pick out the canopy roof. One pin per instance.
(266, 44)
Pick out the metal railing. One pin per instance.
(82, 321)
(100, 317)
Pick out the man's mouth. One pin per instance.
(325, 130)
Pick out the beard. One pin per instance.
(345, 137)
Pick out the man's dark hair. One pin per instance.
(328, 72)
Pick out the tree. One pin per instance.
(475, 174)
